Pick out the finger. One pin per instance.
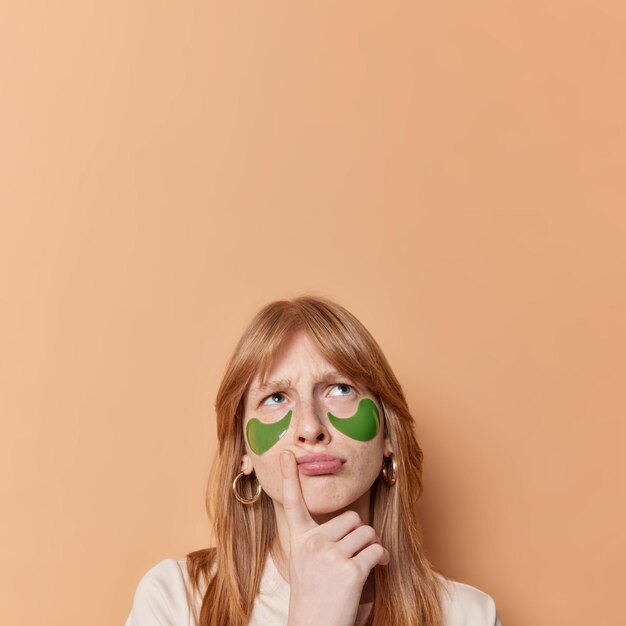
(298, 517)
(358, 540)
(370, 557)
(338, 527)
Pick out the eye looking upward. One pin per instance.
(278, 394)
(343, 386)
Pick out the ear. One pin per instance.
(387, 447)
(381, 410)
(246, 464)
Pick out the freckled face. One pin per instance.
(307, 407)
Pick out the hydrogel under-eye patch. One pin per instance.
(261, 437)
(363, 425)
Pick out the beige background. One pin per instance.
(452, 172)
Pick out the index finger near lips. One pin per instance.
(298, 517)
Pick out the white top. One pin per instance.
(164, 598)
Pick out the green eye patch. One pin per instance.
(363, 425)
(261, 436)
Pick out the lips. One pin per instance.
(318, 464)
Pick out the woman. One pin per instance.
(313, 493)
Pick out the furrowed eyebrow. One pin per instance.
(272, 384)
(323, 377)
(330, 375)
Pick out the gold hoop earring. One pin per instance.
(240, 497)
(387, 462)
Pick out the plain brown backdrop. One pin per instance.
(452, 172)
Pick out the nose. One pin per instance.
(310, 427)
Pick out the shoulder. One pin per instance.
(464, 605)
(163, 597)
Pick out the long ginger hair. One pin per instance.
(406, 590)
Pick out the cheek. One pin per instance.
(364, 425)
(262, 437)
(265, 448)
(372, 455)
(267, 470)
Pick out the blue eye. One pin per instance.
(272, 397)
(348, 389)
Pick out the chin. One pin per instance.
(327, 502)
(323, 508)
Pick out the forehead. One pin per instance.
(297, 357)
(297, 354)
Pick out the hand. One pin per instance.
(328, 563)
